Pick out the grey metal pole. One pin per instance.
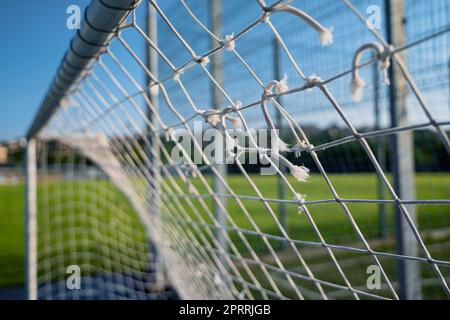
(30, 220)
(99, 28)
(279, 124)
(379, 151)
(402, 159)
(215, 12)
(151, 57)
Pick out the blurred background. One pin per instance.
(36, 38)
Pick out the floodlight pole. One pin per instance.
(31, 220)
(402, 158)
(279, 124)
(154, 192)
(215, 13)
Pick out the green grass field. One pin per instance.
(12, 235)
(329, 218)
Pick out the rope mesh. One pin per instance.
(115, 201)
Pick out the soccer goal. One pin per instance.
(192, 149)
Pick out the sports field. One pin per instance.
(434, 220)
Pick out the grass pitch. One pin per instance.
(330, 219)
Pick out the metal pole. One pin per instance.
(30, 220)
(215, 11)
(402, 159)
(151, 57)
(379, 151)
(104, 17)
(279, 124)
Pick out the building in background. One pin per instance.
(3, 154)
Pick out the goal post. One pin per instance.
(30, 220)
(99, 26)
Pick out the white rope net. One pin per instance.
(144, 214)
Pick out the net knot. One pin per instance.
(266, 15)
(387, 52)
(154, 89)
(203, 60)
(211, 116)
(313, 81)
(229, 44)
(300, 200)
(302, 146)
(282, 85)
(177, 74)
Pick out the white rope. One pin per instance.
(112, 120)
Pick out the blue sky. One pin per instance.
(34, 37)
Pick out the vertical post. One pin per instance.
(379, 151)
(402, 159)
(448, 82)
(151, 57)
(279, 124)
(30, 220)
(215, 12)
